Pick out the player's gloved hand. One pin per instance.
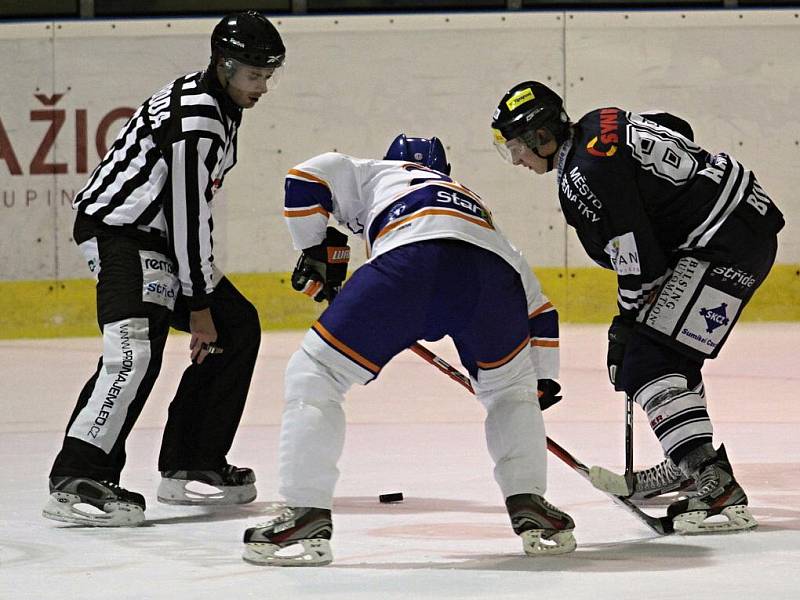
(548, 390)
(321, 269)
(618, 335)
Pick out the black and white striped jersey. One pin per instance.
(639, 193)
(162, 172)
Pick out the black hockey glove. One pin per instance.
(618, 335)
(321, 269)
(548, 390)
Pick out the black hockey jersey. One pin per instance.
(639, 193)
(162, 172)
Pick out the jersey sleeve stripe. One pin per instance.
(544, 325)
(544, 343)
(728, 198)
(302, 193)
(203, 125)
(198, 100)
(345, 349)
(506, 359)
(305, 212)
(308, 176)
(547, 306)
(736, 198)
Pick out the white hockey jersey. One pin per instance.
(393, 203)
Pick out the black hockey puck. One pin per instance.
(389, 498)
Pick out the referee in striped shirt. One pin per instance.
(144, 223)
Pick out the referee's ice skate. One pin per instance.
(85, 501)
(295, 537)
(228, 485)
(544, 529)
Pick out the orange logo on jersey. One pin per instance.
(609, 135)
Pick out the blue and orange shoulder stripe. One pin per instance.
(306, 194)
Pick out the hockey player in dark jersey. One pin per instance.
(144, 224)
(691, 235)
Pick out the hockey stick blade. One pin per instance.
(660, 525)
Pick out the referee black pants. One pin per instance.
(135, 293)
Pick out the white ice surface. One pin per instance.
(418, 432)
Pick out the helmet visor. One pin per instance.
(252, 79)
(510, 150)
(527, 141)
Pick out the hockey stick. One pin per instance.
(629, 477)
(661, 525)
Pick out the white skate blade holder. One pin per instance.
(189, 492)
(535, 544)
(732, 518)
(68, 508)
(304, 553)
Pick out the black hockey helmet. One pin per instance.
(526, 108)
(249, 38)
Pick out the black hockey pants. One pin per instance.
(135, 293)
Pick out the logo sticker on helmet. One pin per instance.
(498, 137)
(520, 98)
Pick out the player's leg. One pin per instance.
(493, 343)
(208, 405)
(664, 382)
(379, 312)
(689, 321)
(84, 480)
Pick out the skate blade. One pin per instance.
(664, 499)
(315, 553)
(63, 507)
(535, 544)
(738, 518)
(608, 481)
(186, 493)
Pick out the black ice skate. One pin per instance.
(718, 495)
(87, 501)
(544, 529)
(648, 484)
(228, 485)
(293, 527)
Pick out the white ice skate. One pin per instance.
(229, 485)
(85, 501)
(295, 537)
(545, 530)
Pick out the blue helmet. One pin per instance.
(428, 152)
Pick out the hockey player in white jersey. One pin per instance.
(437, 265)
